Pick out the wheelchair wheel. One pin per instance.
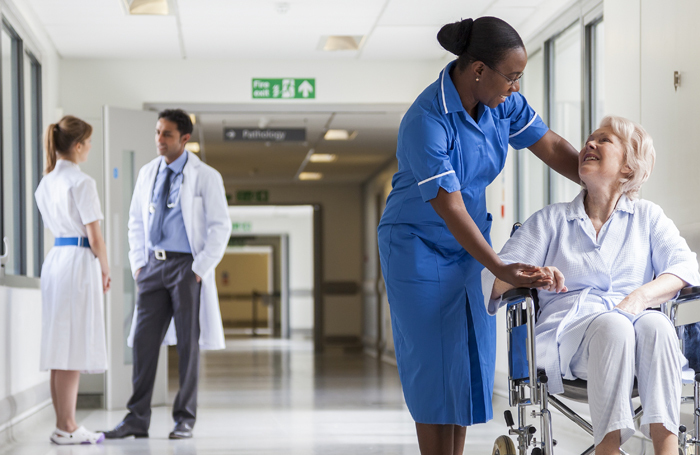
(503, 446)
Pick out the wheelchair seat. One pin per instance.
(577, 390)
(574, 389)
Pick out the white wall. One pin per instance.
(646, 41)
(297, 223)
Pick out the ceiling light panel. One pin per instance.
(323, 158)
(340, 135)
(310, 176)
(341, 43)
(148, 7)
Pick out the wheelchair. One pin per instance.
(528, 387)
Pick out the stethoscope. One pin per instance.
(173, 179)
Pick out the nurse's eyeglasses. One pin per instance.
(510, 81)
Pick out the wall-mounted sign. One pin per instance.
(241, 226)
(252, 196)
(284, 88)
(265, 135)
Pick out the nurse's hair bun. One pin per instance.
(454, 37)
(486, 39)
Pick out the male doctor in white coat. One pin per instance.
(179, 228)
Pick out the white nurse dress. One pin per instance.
(73, 330)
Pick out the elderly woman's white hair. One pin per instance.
(638, 149)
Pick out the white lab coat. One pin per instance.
(208, 228)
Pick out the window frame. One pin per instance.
(27, 165)
(19, 246)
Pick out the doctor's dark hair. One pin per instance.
(61, 137)
(178, 117)
(486, 39)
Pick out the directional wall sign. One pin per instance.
(284, 88)
(265, 135)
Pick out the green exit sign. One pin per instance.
(252, 196)
(284, 88)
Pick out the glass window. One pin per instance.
(532, 172)
(566, 90)
(21, 151)
(13, 215)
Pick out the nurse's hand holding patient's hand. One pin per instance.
(523, 275)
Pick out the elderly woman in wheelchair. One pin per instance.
(610, 258)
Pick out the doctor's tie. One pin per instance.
(161, 204)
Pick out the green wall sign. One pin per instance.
(284, 88)
(252, 196)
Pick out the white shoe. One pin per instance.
(79, 436)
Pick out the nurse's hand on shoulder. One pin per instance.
(198, 278)
(136, 274)
(523, 275)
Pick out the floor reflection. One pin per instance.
(271, 397)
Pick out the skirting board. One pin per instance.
(23, 404)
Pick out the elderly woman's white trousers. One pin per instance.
(614, 350)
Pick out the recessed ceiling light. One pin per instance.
(323, 158)
(310, 176)
(193, 118)
(341, 42)
(147, 7)
(193, 147)
(340, 135)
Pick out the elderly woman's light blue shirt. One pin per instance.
(636, 244)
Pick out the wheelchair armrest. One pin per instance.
(686, 308)
(689, 293)
(516, 294)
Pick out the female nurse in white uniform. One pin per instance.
(74, 276)
(434, 233)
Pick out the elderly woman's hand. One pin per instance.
(556, 283)
(634, 303)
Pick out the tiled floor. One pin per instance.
(271, 397)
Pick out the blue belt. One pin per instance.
(72, 241)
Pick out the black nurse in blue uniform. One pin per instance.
(434, 234)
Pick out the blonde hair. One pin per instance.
(62, 136)
(639, 153)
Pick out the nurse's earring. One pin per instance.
(477, 79)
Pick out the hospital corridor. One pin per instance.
(412, 227)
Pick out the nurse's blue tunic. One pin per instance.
(445, 341)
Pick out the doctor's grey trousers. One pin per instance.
(167, 289)
(614, 350)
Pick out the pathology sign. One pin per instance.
(284, 88)
(265, 134)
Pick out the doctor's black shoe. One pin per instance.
(124, 430)
(183, 430)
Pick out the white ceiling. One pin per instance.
(251, 29)
(256, 29)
